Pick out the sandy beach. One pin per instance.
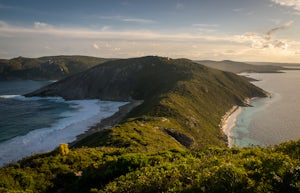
(228, 121)
(109, 121)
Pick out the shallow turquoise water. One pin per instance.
(271, 120)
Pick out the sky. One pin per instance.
(240, 30)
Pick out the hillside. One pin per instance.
(183, 101)
(45, 68)
(167, 144)
(238, 67)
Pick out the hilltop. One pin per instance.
(46, 68)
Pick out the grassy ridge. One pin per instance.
(183, 104)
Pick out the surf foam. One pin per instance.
(86, 114)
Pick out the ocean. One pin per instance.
(271, 120)
(30, 125)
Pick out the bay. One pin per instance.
(271, 120)
(30, 125)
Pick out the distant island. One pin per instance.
(167, 140)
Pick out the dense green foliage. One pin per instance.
(119, 170)
(46, 68)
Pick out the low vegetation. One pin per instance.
(170, 143)
(104, 169)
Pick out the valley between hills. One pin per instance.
(168, 141)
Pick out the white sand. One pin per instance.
(228, 122)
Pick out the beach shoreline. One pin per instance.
(228, 121)
(108, 122)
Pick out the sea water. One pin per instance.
(30, 125)
(271, 120)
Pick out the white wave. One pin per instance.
(74, 123)
(23, 98)
(9, 96)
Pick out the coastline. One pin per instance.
(109, 121)
(228, 121)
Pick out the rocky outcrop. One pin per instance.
(180, 137)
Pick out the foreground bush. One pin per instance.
(117, 170)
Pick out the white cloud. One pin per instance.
(96, 46)
(137, 20)
(41, 25)
(32, 42)
(128, 19)
(267, 41)
(206, 28)
(260, 41)
(295, 4)
(105, 28)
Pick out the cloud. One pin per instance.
(295, 4)
(40, 25)
(33, 42)
(3, 24)
(96, 46)
(137, 20)
(105, 28)
(273, 30)
(128, 19)
(259, 41)
(206, 28)
(267, 41)
(104, 33)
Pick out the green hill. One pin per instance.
(45, 68)
(170, 143)
(183, 101)
(238, 67)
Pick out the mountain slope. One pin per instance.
(46, 68)
(183, 101)
(238, 67)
